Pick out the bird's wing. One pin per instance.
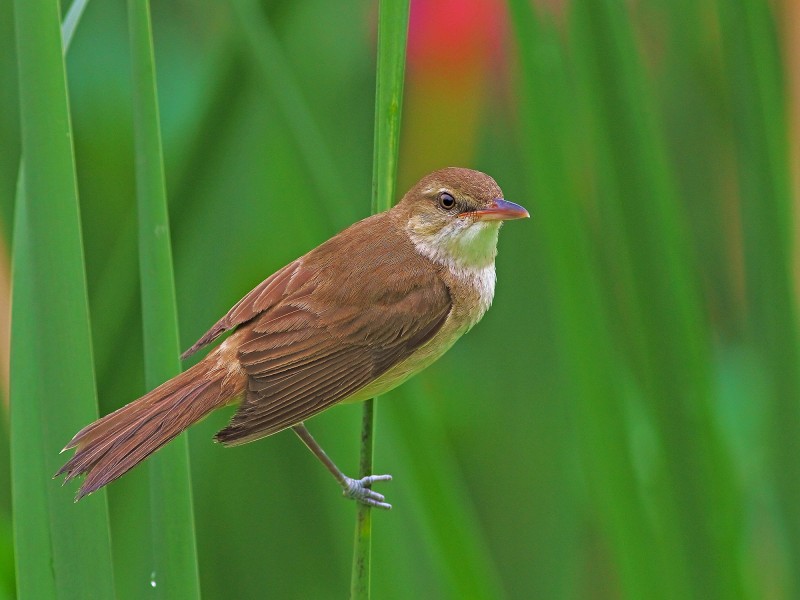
(265, 295)
(294, 277)
(318, 346)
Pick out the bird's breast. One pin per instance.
(472, 291)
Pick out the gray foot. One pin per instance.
(358, 490)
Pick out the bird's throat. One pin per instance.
(467, 250)
(460, 245)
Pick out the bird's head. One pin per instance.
(453, 216)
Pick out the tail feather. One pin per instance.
(111, 446)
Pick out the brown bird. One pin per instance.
(353, 318)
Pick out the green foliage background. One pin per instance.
(625, 421)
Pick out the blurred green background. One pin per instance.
(624, 423)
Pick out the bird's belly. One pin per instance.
(415, 363)
(453, 329)
(478, 291)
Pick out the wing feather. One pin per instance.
(267, 410)
(265, 295)
(283, 394)
(319, 330)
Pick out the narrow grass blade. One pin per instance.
(548, 115)
(7, 584)
(62, 549)
(436, 490)
(698, 517)
(286, 93)
(174, 567)
(362, 546)
(758, 100)
(71, 21)
(68, 28)
(392, 38)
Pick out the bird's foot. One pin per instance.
(359, 490)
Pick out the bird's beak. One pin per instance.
(499, 210)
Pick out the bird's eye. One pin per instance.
(446, 200)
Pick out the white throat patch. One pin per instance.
(467, 248)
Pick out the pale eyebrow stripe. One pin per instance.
(430, 190)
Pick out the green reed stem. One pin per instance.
(174, 572)
(392, 36)
(62, 549)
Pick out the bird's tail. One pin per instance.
(111, 446)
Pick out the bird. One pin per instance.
(352, 319)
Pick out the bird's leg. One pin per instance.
(357, 489)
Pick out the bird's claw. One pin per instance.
(359, 490)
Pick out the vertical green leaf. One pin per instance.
(392, 37)
(665, 330)
(759, 120)
(62, 549)
(437, 495)
(547, 109)
(71, 21)
(286, 93)
(174, 567)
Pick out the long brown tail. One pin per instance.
(113, 445)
